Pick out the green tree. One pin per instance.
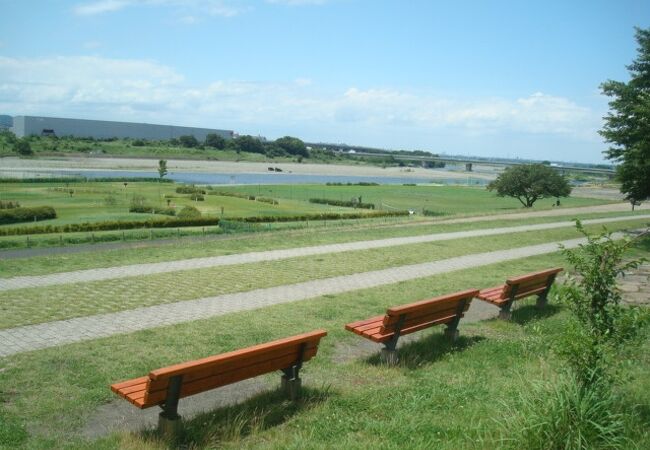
(162, 168)
(215, 141)
(249, 144)
(22, 147)
(188, 141)
(529, 183)
(627, 125)
(292, 145)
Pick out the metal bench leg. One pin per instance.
(388, 354)
(505, 313)
(542, 299)
(290, 383)
(169, 421)
(451, 332)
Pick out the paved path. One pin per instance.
(33, 337)
(272, 255)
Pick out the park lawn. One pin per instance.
(59, 302)
(444, 200)
(439, 397)
(154, 251)
(101, 201)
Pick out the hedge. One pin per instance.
(346, 203)
(189, 190)
(16, 215)
(189, 222)
(151, 210)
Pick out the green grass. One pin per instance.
(36, 305)
(447, 200)
(439, 397)
(317, 234)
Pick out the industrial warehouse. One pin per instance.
(104, 129)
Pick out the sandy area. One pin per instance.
(11, 164)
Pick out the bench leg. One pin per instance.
(168, 427)
(389, 356)
(451, 333)
(291, 387)
(505, 313)
(169, 421)
(542, 301)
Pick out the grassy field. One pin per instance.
(318, 233)
(438, 396)
(444, 200)
(101, 201)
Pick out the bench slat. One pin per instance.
(533, 275)
(357, 326)
(236, 355)
(431, 303)
(223, 379)
(379, 335)
(213, 370)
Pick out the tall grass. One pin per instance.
(562, 413)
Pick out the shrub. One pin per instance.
(16, 215)
(563, 414)
(197, 197)
(8, 204)
(189, 212)
(148, 209)
(270, 201)
(345, 203)
(430, 213)
(189, 189)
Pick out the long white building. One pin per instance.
(104, 129)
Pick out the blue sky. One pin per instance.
(501, 78)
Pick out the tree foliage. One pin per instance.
(215, 141)
(627, 125)
(248, 144)
(22, 147)
(529, 183)
(292, 146)
(188, 141)
(162, 168)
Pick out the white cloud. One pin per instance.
(100, 7)
(188, 10)
(141, 90)
(297, 2)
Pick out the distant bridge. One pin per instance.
(563, 168)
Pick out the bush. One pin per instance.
(16, 215)
(189, 212)
(430, 213)
(22, 147)
(189, 189)
(348, 204)
(8, 204)
(148, 209)
(270, 201)
(563, 414)
(197, 197)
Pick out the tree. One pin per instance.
(292, 145)
(162, 168)
(22, 147)
(188, 141)
(215, 141)
(529, 183)
(627, 125)
(249, 144)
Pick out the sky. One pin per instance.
(511, 79)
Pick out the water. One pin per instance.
(255, 178)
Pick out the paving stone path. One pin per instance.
(272, 255)
(33, 337)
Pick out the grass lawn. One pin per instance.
(439, 397)
(36, 305)
(447, 200)
(101, 201)
(316, 234)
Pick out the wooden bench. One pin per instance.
(164, 387)
(405, 319)
(519, 287)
